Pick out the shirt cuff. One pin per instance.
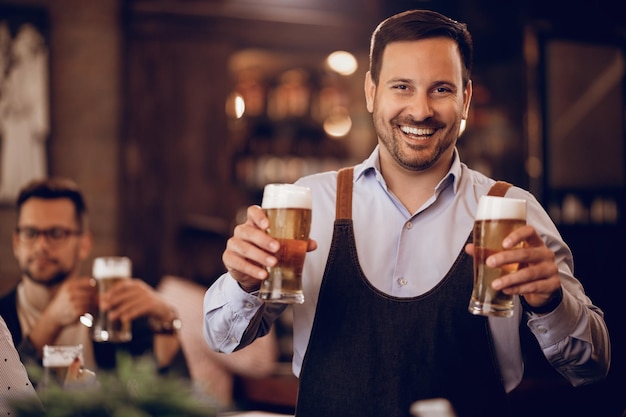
(556, 325)
(238, 310)
(248, 302)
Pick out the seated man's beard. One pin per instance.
(56, 279)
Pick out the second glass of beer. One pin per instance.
(288, 208)
(108, 271)
(495, 218)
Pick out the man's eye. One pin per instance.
(57, 233)
(29, 233)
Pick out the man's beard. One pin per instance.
(56, 279)
(391, 138)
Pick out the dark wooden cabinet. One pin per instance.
(175, 148)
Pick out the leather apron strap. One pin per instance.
(499, 189)
(345, 176)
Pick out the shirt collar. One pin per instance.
(454, 174)
(372, 164)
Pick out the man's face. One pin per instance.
(419, 102)
(46, 260)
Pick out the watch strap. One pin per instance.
(165, 327)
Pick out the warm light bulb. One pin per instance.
(342, 62)
(240, 106)
(338, 124)
(235, 106)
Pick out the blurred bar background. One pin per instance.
(173, 114)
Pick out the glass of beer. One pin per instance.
(495, 218)
(56, 362)
(108, 272)
(288, 208)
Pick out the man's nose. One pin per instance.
(420, 106)
(41, 240)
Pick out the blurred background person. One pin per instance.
(50, 242)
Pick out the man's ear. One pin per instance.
(467, 99)
(370, 91)
(85, 245)
(16, 244)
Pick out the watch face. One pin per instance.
(166, 327)
(177, 324)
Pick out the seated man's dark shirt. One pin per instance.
(105, 353)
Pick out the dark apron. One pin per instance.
(371, 354)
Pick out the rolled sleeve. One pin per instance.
(573, 340)
(228, 310)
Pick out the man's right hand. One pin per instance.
(74, 298)
(251, 250)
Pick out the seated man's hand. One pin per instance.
(79, 377)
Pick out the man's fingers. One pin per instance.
(256, 216)
(240, 266)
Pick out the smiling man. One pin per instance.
(385, 320)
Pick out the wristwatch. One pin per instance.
(552, 303)
(165, 327)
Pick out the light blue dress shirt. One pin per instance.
(406, 254)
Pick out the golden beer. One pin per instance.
(108, 272)
(488, 236)
(288, 208)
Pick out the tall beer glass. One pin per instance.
(288, 208)
(495, 218)
(108, 271)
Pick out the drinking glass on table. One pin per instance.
(56, 363)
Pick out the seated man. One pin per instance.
(50, 242)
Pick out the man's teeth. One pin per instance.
(416, 131)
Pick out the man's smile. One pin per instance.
(417, 131)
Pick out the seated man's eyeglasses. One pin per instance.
(54, 235)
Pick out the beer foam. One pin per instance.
(106, 267)
(491, 207)
(286, 196)
(64, 355)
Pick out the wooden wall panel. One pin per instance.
(176, 156)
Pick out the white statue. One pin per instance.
(24, 109)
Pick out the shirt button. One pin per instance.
(234, 340)
(409, 225)
(402, 282)
(542, 330)
(249, 305)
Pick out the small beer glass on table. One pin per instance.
(56, 363)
